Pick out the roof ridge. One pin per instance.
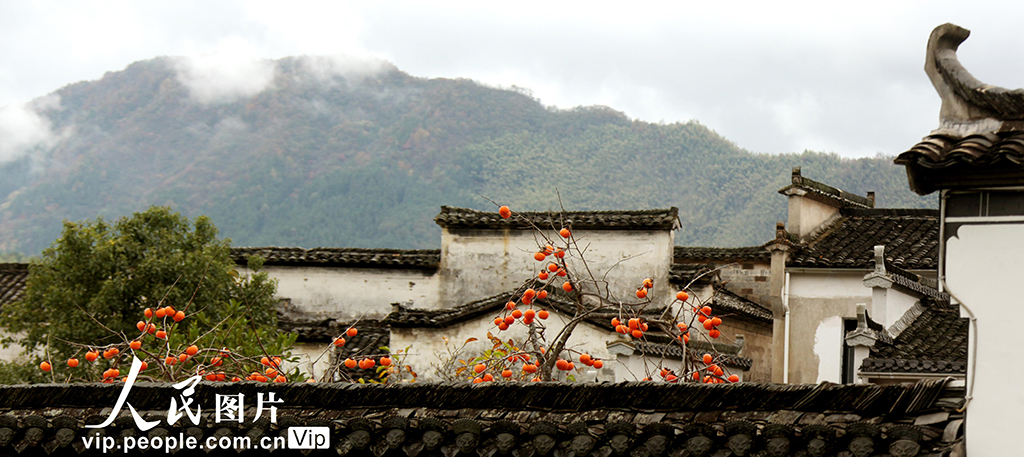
(338, 249)
(826, 193)
(905, 321)
(366, 257)
(664, 349)
(442, 317)
(446, 208)
(14, 266)
(896, 212)
(758, 311)
(758, 252)
(642, 219)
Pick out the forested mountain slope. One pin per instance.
(365, 160)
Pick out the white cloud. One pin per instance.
(231, 72)
(324, 68)
(23, 129)
(737, 67)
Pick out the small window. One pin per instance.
(1005, 203)
(985, 203)
(964, 204)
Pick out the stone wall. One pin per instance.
(757, 345)
(750, 280)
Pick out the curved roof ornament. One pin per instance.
(969, 106)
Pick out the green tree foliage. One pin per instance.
(89, 289)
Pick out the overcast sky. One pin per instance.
(843, 77)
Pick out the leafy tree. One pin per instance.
(90, 289)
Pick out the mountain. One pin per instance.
(364, 158)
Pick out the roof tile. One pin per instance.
(689, 254)
(12, 281)
(342, 257)
(944, 150)
(935, 342)
(651, 219)
(725, 300)
(826, 193)
(910, 237)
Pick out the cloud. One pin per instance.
(347, 66)
(225, 75)
(773, 77)
(23, 129)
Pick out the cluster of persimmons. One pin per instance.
(152, 345)
(555, 272)
(506, 359)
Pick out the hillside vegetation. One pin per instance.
(366, 160)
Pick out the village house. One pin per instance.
(845, 292)
(975, 160)
(421, 299)
(839, 267)
(821, 265)
(854, 283)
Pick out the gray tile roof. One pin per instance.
(32, 428)
(652, 219)
(944, 150)
(440, 318)
(823, 192)
(660, 346)
(934, 342)
(915, 282)
(12, 281)
(682, 274)
(732, 304)
(951, 161)
(910, 237)
(342, 257)
(653, 342)
(690, 254)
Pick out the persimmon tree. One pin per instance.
(155, 285)
(563, 273)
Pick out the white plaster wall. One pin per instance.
(476, 264)
(818, 303)
(808, 214)
(828, 346)
(698, 296)
(828, 285)
(984, 267)
(349, 293)
(633, 367)
(427, 346)
(897, 305)
(313, 360)
(15, 352)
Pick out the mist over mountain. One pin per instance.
(315, 151)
